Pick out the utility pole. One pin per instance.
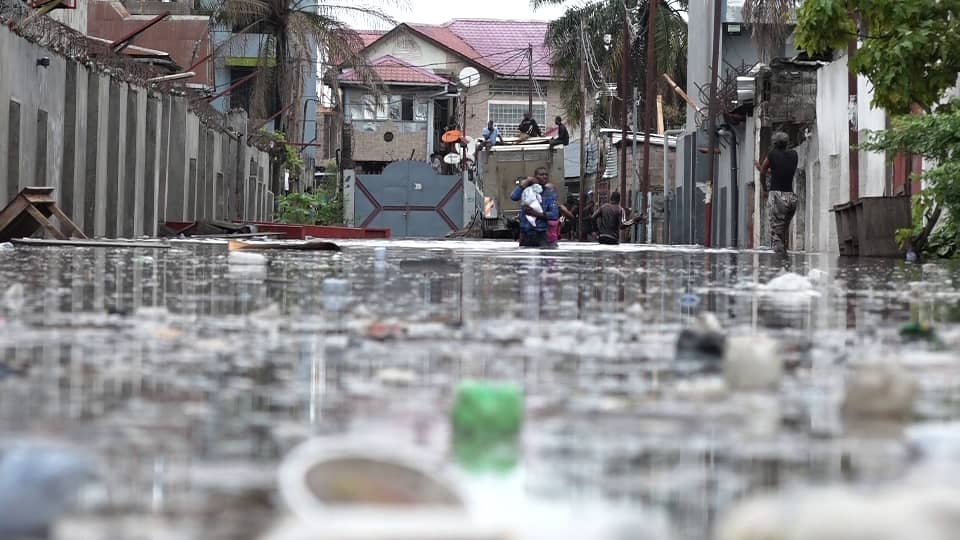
(711, 125)
(635, 181)
(624, 96)
(581, 234)
(530, 80)
(651, 80)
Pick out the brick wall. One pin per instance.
(656, 164)
(480, 96)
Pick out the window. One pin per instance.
(240, 96)
(512, 87)
(507, 116)
(368, 107)
(407, 109)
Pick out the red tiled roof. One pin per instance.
(393, 70)
(496, 45)
(492, 38)
(369, 36)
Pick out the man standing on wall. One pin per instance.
(781, 162)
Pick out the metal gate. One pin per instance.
(410, 199)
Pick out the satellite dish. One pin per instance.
(469, 77)
(451, 159)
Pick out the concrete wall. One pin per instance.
(74, 18)
(121, 157)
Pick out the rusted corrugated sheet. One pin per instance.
(185, 38)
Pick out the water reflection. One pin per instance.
(163, 361)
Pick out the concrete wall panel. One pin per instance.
(121, 160)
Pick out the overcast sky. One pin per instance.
(438, 11)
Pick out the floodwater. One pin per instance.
(190, 376)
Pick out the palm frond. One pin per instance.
(606, 16)
(769, 20)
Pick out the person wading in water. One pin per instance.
(610, 219)
(781, 163)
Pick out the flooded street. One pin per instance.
(189, 375)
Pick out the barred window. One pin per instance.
(513, 87)
(506, 116)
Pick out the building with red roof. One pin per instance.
(421, 97)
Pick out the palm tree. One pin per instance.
(604, 62)
(296, 35)
(770, 20)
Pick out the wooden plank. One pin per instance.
(12, 211)
(308, 245)
(44, 222)
(75, 231)
(227, 236)
(88, 243)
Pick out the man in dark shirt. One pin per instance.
(563, 136)
(610, 218)
(528, 127)
(781, 162)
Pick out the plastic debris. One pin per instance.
(246, 258)
(488, 408)
(915, 330)
(881, 390)
(752, 363)
(39, 482)
(335, 294)
(703, 341)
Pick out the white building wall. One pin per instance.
(873, 165)
(415, 51)
(827, 160)
(699, 43)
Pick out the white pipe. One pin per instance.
(666, 167)
(174, 77)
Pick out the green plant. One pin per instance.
(322, 207)
(288, 154)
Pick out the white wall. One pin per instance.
(873, 165)
(699, 43)
(415, 51)
(74, 18)
(827, 164)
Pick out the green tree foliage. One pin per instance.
(910, 49)
(910, 52)
(936, 137)
(603, 65)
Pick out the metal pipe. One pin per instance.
(625, 94)
(122, 42)
(725, 130)
(174, 77)
(648, 108)
(232, 87)
(581, 236)
(711, 127)
(303, 117)
(636, 162)
(666, 167)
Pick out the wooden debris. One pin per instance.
(305, 245)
